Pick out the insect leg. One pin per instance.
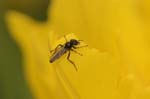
(60, 45)
(68, 58)
(76, 52)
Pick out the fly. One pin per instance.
(68, 47)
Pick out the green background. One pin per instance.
(12, 82)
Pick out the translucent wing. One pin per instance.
(57, 54)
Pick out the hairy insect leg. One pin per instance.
(68, 58)
(77, 52)
(60, 45)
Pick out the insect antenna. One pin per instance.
(80, 40)
(65, 38)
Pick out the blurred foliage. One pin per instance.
(12, 81)
(35, 8)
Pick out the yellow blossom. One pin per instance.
(114, 66)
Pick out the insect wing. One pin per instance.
(58, 54)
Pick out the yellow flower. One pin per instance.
(114, 66)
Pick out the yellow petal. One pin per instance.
(94, 21)
(119, 69)
(118, 27)
(96, 77)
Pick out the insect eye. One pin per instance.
(76, 42)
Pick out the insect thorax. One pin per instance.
(68, 45)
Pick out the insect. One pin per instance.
(68, 47)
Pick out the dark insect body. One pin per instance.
(67, 47)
